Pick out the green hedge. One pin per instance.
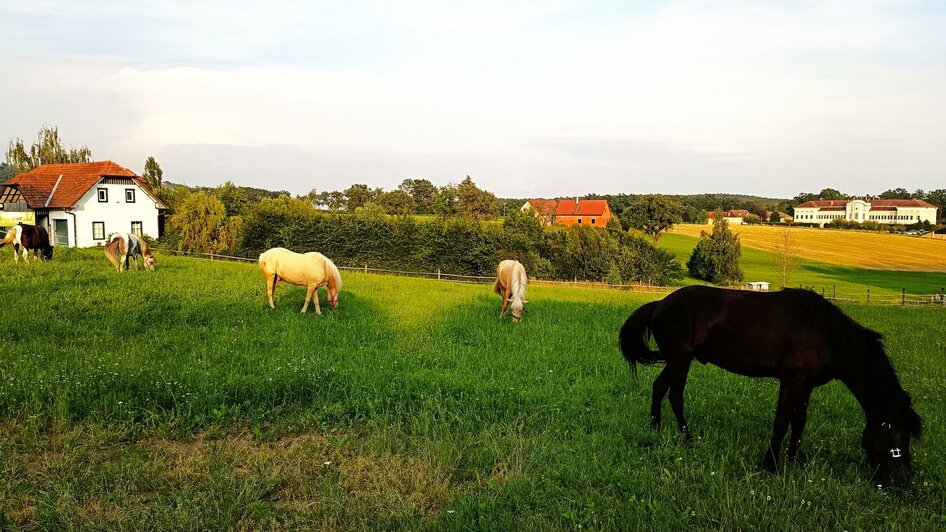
(456, 245)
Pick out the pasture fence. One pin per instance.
(883, 298)
(887, 298)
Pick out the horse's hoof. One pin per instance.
(654, 423)
(798, 457)
(769, 464)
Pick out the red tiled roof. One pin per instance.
(545, 207)
(77, 178)
(874, 204)
(568, 207)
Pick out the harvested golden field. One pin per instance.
(879, 251)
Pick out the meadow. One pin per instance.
(177, 399)
(861, 249)
(823, 275)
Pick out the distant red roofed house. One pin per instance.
(542, 208)
(735, 216)
(894, 211)
(593, 213)
(80, 204)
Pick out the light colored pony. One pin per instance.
(122, 247)
(511, 284)
(311, 270)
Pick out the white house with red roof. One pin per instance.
(734, 216)
(80, 204)
(884, 211)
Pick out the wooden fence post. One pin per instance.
(868, 295)
(834, 291)
(942, 296)
(903, 296)
(366, 267)
(438, 274)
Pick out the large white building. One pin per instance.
(895, 211)
(80, 204)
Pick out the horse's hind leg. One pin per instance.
(308, 297)
(661, 385)
(678, 382)
(788, 394)
(271, 283)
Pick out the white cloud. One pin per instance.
(528, 98)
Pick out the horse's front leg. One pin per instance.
(788, 393)
(308, 297)
(799, 419)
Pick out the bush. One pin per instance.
(458, 246)
(716, 256)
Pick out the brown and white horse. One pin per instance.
(311, 270)
(122, 247)
(28, 238)
(511, 284)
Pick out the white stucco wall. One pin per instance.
(117, 214)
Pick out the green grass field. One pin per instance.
(758, 265)
(177, 399)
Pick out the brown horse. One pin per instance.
(311, 270)
(511, 282)
(122, 248)
(27, 238)
(795, 336)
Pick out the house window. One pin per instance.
(129, 195)
(103, 196)
(592, 221)
(579, 220)
(98, 230)
(136, 228)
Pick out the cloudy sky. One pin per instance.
(534, 98)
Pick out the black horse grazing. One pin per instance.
(27, 238)
(795, 336)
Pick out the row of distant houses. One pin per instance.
(80, 204)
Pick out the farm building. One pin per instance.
(80, 204)
(543, 208)
(895, 211)
(594, 213)
(735, 216)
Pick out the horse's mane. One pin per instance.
(855, 342)
(332, 270)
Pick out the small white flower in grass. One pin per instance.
(751, 492)
(451, 511)
(768, 497)
(712, 473)
(327, 463)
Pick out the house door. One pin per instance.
(61, 232)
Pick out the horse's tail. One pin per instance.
(113, 250)
(634, 337)
(12, 236)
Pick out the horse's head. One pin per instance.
(150, 262)
(333, 296)
(48, 253)
(887, 444)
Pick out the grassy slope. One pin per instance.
(177, 399)
(757, 265)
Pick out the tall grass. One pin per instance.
(178, 399)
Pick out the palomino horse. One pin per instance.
(795, 336)
(511, 284)
(123, 247)
(27, 238)
(311, 270)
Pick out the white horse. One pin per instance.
(311, 270)
(511, 284)
(122, 247)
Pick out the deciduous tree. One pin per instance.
(153, 173)
(786, 255)
(653, 214)
(716, 256)
(47, 149)
(473, 202)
